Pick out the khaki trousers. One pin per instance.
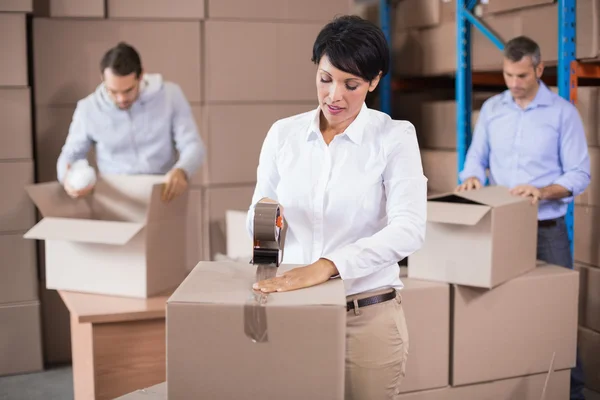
(376, 349)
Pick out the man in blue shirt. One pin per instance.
(139, 124)
(532, 141)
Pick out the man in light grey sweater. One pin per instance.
(139, 124)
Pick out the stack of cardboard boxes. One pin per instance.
(510, 316)
(586, 239)
(20, 335)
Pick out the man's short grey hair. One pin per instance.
(520, 47)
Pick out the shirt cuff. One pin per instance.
(338, 259)
(564, 182)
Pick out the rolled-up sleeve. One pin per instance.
(406, 208)
(574, 155)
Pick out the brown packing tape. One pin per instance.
(550, 371)
(267, 238)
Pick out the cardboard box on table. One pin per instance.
(213, 320)
(120, 240)
(478, 238)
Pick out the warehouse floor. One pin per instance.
(57, 384)
(53, 384)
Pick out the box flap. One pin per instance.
(52, 201)
(124, 197)
(159, 210)
(453, 209)
(212, 282)
(493, 196)
(84, 230)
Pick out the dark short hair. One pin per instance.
(520, 47)
(123, 60)
(353, 45)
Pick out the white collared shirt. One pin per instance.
(360, 202)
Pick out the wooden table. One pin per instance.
(118, 344)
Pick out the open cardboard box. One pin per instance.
(120, 240)
(479, 238)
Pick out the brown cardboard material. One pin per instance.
(16, 210)
(587, 234)
(521, 388)
(486, 56)
(24, 6)
(497, 333)
(69, 8)
(220, 293)
(160, 9)
(589, 108)
(18, 269)
(86, 41)
(411, 14)
(228, 140)
(591, 195)
(13, 63)
(472, 238)
(589, 348)
(217, 202)
(122, 240)
(56, 329)
(439, 166)
(498, 6)
(589, 297)
(427, 309)
(194, 229)
(274, 10)
(156, 392)
(20, 338)
(15, 124)
(267, 49)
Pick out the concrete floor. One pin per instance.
(57, 384)
(52, 384)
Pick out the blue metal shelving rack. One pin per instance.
(464, 20)
(385, 86)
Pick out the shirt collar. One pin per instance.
(543, 97)
(354, 131)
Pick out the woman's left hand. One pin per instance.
(298, 278)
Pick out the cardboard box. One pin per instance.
(591, 195)
(15, 124)
(589, 348)
(427, 309)
(20, 338)
(156, 392)
(440, 168)
(223, 130)
(294, 358)
(479, 238)
(18, 269)
(265, 49)
(24, 6)
(586, 234)
(239, 241)
(217, 202)
(194, 229)
(589, 108)
(69, 8)
(56, 327)
(123, 240)
(274, 10)
(521, 388)
(498, 6)
(159, 9)
(589, 297)
(86, 41)
(13, 63)
(496, 333)
(16, 210)
(411, 14)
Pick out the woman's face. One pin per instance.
(341, 95)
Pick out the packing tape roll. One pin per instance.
(266, 217)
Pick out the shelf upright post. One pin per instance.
(385, 86)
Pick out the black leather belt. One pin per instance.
(547, 223)
(369, 301)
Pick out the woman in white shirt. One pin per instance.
(351, 184)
